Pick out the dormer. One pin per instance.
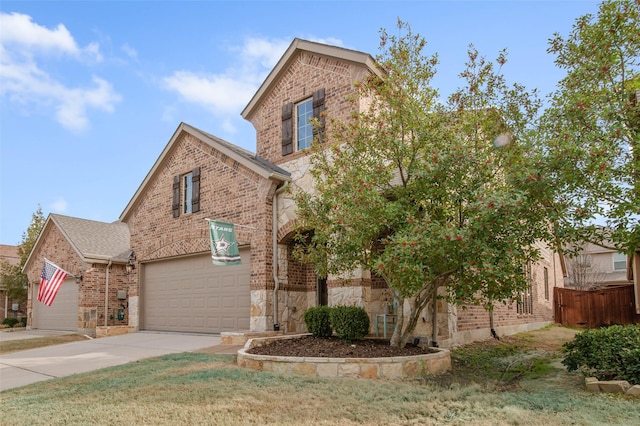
(309, 78)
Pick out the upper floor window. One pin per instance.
(301, 136)
(619, 262)
(186, 193)
(304, 127)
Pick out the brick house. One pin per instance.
(597, 266)
(175, 287)
(95, 255)
(9, 254)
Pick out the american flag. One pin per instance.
(51, 279)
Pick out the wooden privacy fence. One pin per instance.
(595, 308)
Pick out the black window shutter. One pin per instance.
(287, 129)
(318, 108)
(195, 196)
(176, 196)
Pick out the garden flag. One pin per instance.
(51, 279)
(224, 247)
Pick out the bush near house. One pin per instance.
(9, 322)
(349, 322)
(611, 353)
(317, 320)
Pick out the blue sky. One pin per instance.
(91, 91)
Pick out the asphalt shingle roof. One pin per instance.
(254, 158)
(95, 239)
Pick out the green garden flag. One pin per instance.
(224, 247)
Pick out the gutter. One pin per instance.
(274, 232)
(106, 296)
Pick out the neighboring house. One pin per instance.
(164, 234)
(597, 266)
(94, 254)
(8, 254)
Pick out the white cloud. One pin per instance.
(225, 94)
(59, 206)
(20, 30)
(267, 52)
(219, 93)
(130, 51)
(23, 44)
(71, 111)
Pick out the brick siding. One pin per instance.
(229, 192)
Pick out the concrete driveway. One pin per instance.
(35, 365)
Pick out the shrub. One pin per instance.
(317, 320)
(349, 322)
(611, 353)
(10, 322)
(23, 321)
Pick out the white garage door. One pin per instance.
(62, 314)
(191, 294)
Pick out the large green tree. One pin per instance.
(425, 193)
(11, 276)
(591, 130)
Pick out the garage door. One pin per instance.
(62, 314)
(191, 294)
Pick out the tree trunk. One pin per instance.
(395, 337)
(429, 291)
(402, 334)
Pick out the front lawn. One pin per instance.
(197, 388)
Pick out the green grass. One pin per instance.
(197, 388)
(38, 342)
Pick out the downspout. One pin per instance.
(434, 320)
(494, 334)
(106, 296)
(274, 232)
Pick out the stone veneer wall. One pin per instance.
(366, 368)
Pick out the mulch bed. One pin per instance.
(333, 347)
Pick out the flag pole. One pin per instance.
(235, 224)
(66, 272)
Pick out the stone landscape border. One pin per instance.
(399, 367)
(612, 386)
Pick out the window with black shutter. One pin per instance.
(186, 193)
(318, 109)
(176, 196)
(287, 129)
(195, 190)
(298, 133)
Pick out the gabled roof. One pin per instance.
(347, 55)
(247, 158)
(93, 241)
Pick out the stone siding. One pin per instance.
(391, 368)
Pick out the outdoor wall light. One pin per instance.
(78, 278)
(131, 265)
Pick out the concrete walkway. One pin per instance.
(34, 365)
